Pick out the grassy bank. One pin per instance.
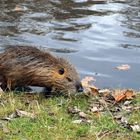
(58, 118)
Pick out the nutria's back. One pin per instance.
(22, 66)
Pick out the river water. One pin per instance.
(100, 34)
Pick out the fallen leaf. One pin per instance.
(123, 67)
(128, 108)
(73, 110)
(126, 103)
(94, 90)
(97, 114)
(94, 109)
(82, 121)
(22, 113)
(10, 117)
(77, 121)
(104, 92)
(85, 81)
(118, 116)
(5, 129)
(129, 94)
(83, 115)
(118, 95)
(124, 120)
(135, 128)
(88, 121)
(19, 8)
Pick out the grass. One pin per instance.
(53, 122)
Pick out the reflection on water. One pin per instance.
(106, 33)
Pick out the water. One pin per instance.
(104, 34)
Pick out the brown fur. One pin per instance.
(22, 66)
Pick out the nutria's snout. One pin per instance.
(79, 87)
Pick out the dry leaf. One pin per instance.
(22, 113)
(77, 121)
(135, 128)
(73, 110)
(126, 103)
(89, 121)
(5, 129)
(85, 81)
(10, 117)
(82, 115)
(82, 121)
(123, 67)
(123, 94)
(97, 114)
(104, 92)
(94, 90)
(87, 87)
(124, 120)
(119, 95)
(19, 8)
(129, 94)
(94, 109)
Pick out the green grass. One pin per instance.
(53, 122)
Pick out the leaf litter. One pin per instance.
(116, 102)
(18, 113)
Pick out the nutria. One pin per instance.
(23, 66)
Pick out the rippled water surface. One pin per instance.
(103, 34)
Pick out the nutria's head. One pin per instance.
(59, 76)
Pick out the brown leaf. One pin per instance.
(119, 95)
(94, 90)
(19, 8)
(83, 115)
(129, 94)
(97, 114)
(85, 82)
(123, 67)
(22, 113)
(104, 92)
(73, 110)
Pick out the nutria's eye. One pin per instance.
(61, 71)
(69, 79)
